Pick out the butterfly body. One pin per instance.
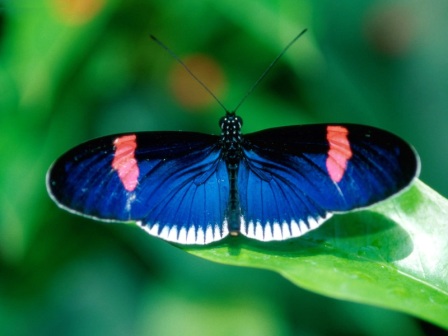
(232, 154)
(194, 188)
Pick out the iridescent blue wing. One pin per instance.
(174, 184)
(291, 179)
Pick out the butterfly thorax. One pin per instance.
(231, 139)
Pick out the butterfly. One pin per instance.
(195, 188)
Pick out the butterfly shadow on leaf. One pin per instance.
(363, 235)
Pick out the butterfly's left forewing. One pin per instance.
(293, 178)
(174, 184)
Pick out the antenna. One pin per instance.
(263, 75)
(188, 70)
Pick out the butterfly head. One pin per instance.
(231, 125)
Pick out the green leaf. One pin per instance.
(393, 255)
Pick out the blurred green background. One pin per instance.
(71, 70)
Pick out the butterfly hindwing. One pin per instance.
(174, 184)
(292, 178)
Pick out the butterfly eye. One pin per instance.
(222, 121)
(239, 120)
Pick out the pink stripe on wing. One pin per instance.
(124, 161)
(339, 152)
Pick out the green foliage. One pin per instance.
(74, 70)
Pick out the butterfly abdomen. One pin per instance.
(233, 213)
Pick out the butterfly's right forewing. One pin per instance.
(174, 184)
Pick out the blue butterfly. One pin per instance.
(194, 188)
